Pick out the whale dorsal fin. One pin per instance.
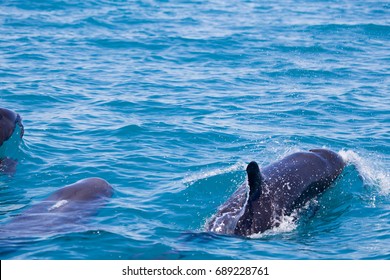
(254, 180)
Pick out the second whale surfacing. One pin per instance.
(62, 210)
(276, 191)
(9, 120)
(11, 133)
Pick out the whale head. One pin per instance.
(9, 123)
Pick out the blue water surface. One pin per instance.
(168, 101)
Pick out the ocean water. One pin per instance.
(169, 100)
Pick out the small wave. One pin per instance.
(10, 147)
(211, 173)
(371, 171)
(378, 30)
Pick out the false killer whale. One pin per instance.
(276, 191)
(10, 124)
(61, 210)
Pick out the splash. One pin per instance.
(228, 214)
(372, 171)
(204, 175)
(285, 224)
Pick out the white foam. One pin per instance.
(371, 170)
(285, 224)
(227, 221)
(211, 173)
(58, 204)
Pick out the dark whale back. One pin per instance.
(278, 189)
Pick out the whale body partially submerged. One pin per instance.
(9, 120)
(65, 208)
(275, 191)
(10, 127)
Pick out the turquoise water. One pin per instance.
(168, 101)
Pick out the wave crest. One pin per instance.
(371, 171)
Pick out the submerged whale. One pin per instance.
(63, 209)
(9, 120)
(276, 191)
(10, 124)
